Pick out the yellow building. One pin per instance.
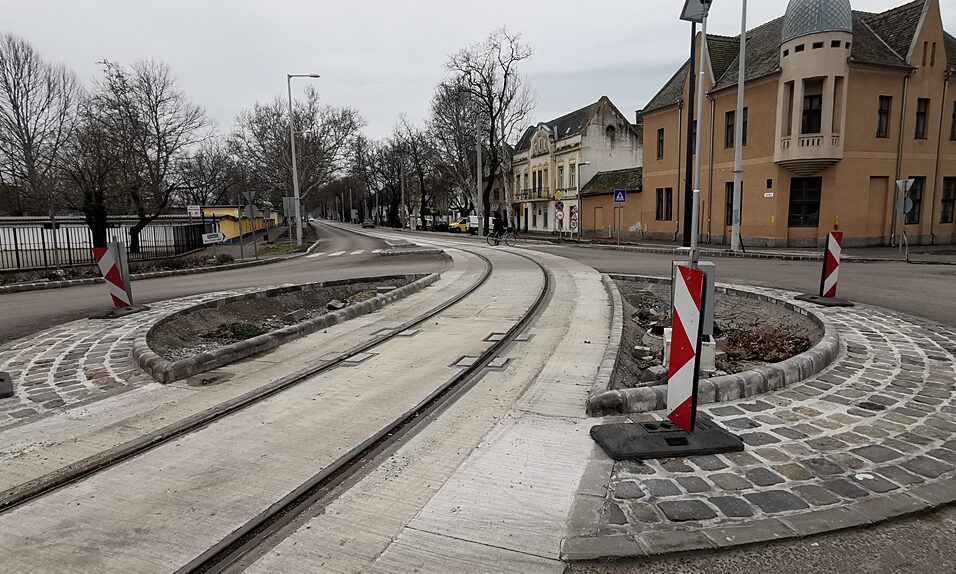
(839, 106)
(229, 219)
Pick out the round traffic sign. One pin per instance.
(574, 224)
(559, 205)
(908, 205)
(559, 215)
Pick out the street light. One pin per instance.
(295, 171)
(577, 193)
(696, 11)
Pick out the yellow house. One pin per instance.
(839, 106)
(232, 223)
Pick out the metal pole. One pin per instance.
(689, 160)
(739, 133)
(351, 206)
(401, 175)
(295, 171)
(478, 170)
(695, 207)
(242, 255)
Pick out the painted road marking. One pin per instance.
(359, 252)
(316, 255)
(336, 254)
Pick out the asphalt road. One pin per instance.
(31, 311)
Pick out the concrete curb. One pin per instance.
(732, 254)
(166, 371)
(727, 387)
(609, 362)
(423, 251)
(39, 286)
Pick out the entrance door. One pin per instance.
(598, 218)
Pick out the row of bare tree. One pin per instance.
(482, 101)
(133, 143)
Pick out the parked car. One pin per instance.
(460, 226)
(369, 224)
(474, 224)
(439, 226)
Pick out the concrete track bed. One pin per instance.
(727, 387)
(169, 350)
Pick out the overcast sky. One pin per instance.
(382, 57)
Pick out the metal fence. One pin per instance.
(30, 243)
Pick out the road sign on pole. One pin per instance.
(559, 205)
(620, 196)
(194, 210)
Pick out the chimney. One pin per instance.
(639, 117)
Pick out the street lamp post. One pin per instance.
(295, 171)
(735, 241)
(696, 11)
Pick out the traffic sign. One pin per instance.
(559, 205)
(209, 238)
(559, 215)
(620, 195)
(573, 224)
(558, 196)
(194, 210)
(251, 211)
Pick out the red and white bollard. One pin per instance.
(116, 281)
(831, 264)
(684, 357)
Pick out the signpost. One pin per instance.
(620, 195)
(213, 238)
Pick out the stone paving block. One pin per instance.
(816, 495)
(847, 460)
(874, 482)
(793, 471)
(844, 488)
(741, 458)
(899, 475)
(597, 547)
(936, 493)
(826, 443)
(614, 515)
(661, 487)
(732, 506)
(725, 411)
(763, 477)
(943, 454)
(925, 466)
(628, 489)
(638, 467)
(708, 462)
(877, 453)
(771, 454)
(824, 520)
(774, 501)
(693, 484)
(822, 467)
(676, 465)
(729, 481)
(686, 510)
(758, 438)
(643, 512)
(790, 433)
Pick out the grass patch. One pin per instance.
(235, 332)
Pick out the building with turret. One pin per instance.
(840, 104)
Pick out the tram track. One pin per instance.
(322, 486)
(91, 465)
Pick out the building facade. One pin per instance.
(839, 105)
(555, 159)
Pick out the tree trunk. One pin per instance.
(134, 234)
(96, 220)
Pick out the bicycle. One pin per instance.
(509, 237)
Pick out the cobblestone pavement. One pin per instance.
(80, 361)
(871, 437)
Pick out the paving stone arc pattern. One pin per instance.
(871, 437)
(81, 361)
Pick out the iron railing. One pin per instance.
(34, 243)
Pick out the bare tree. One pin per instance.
(208, 174)
(325, 135)
(418, 151)
(91, 170)
(454, 128)
(155, 123)
(37, 113)
(488, 72)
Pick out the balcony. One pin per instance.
(809, 154)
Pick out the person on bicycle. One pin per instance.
(499, 228)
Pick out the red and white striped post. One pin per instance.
(106, 260)
(831, 264)
(684, 359)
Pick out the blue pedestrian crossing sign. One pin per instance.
(620, 195)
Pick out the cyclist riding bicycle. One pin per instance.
(499, 228)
